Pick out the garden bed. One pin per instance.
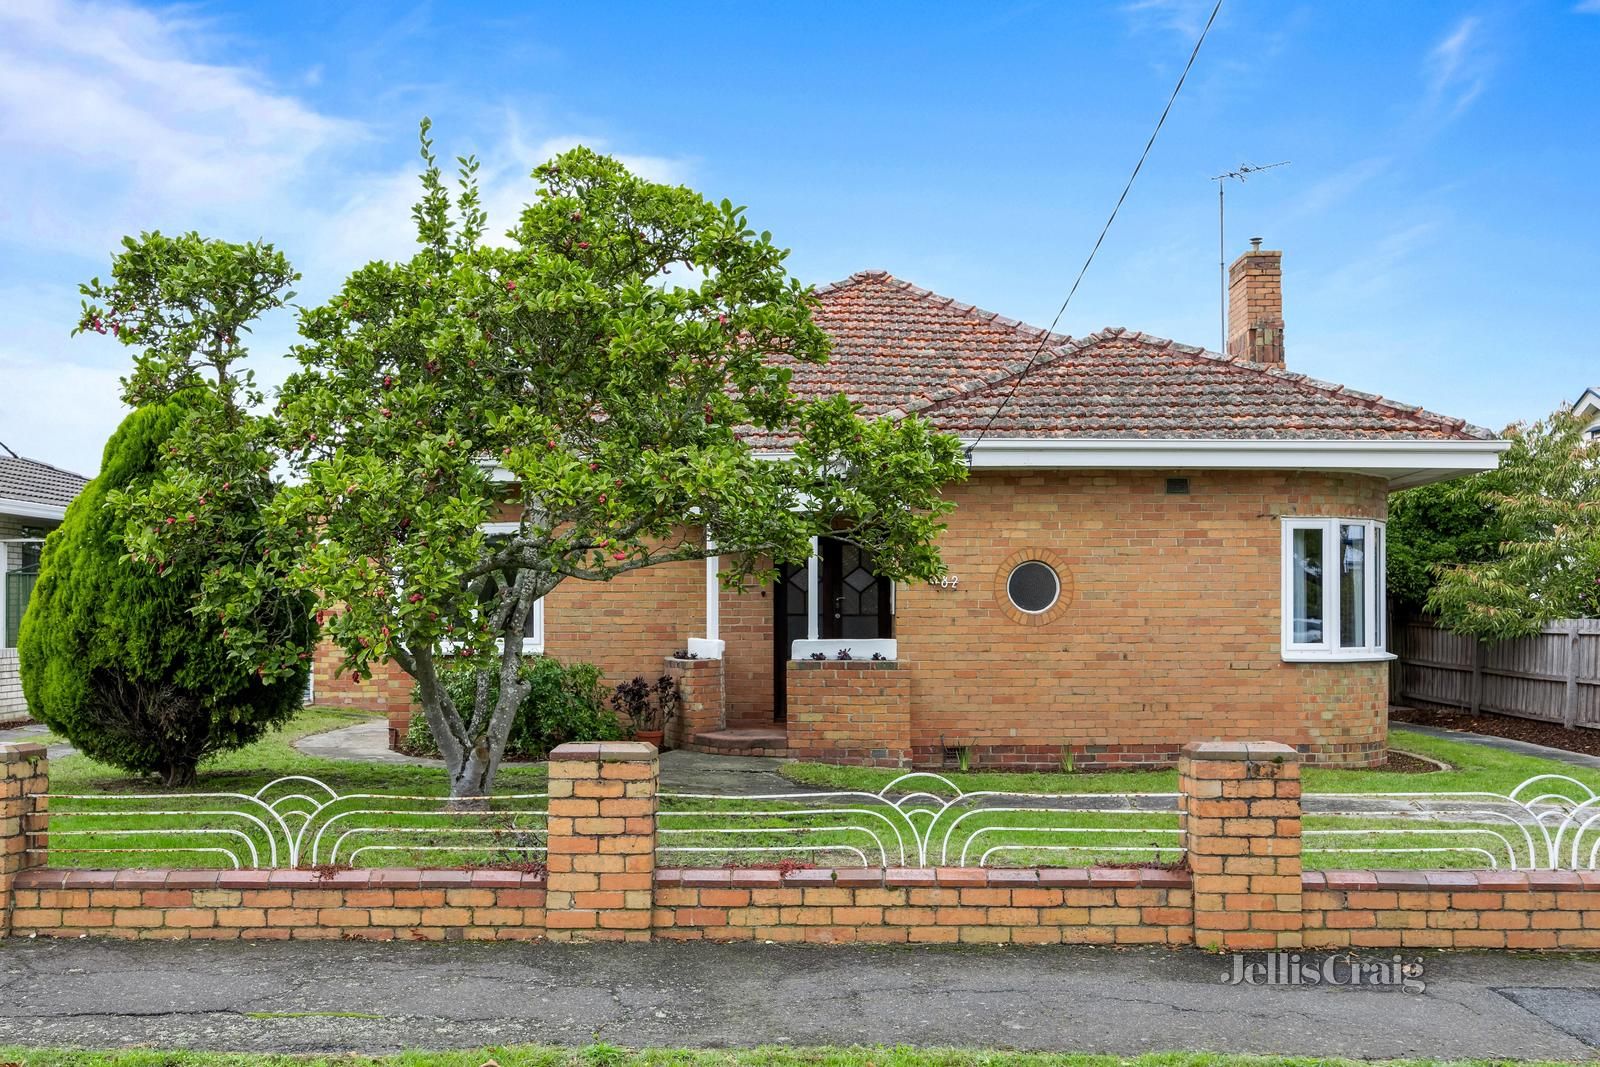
(1552, 735)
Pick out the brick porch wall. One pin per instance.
(700, 683)
(850, 711)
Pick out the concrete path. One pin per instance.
(1506, 744)
(351, 997)
(366, 742)
(32, 732)
(681, 772)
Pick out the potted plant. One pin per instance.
(649, 708)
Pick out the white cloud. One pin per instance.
(107, 97)
(1186, 18)
(1587, 7)
(114, 121)
(1457, 68)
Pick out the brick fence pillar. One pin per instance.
(1239, 812)
(24, 780)
(704, 705)
(602, 841)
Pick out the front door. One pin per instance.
(853, 603)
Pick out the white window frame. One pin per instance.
(532, 645)
(1374, 576)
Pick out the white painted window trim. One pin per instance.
(532, 645)
(1374, 573)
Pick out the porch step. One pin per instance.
(756, 741)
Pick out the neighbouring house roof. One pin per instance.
(1115, 399)
(34, 489)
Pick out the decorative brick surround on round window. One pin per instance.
(1002, 581)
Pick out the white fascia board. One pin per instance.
(26, 509)
(1403, 463)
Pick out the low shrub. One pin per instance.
(565, 702)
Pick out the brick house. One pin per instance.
(1157, 545)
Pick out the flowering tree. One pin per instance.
(589, 386)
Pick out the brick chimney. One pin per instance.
(1255, 306)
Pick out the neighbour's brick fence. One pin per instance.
(1242, 888)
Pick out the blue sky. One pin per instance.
(1440, 222)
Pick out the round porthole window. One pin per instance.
(1033, 587)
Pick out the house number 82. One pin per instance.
(949, 581)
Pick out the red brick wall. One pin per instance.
(745, 627)
(626, 626)
(1168, 631)
(1549, 910)
(850, 711)
(970, 905)
(381, 905)
(1172, 633)
(700, 685)
(1452, 909)
(1239, 813)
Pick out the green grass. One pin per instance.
(275, 756)
(509, 832)
(248, 770)
(1474, 768)
(776, 1056)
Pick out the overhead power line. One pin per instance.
(1148, 145)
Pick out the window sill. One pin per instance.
(530, 647)
(860, 648)
(1352, 655)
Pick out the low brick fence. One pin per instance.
(927, 905)
(1242, 887)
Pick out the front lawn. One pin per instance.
(274, 756)
(390, 812)
(775, 1056)
(1475, 768)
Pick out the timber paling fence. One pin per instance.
(1553, 676)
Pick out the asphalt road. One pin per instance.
(346, 996)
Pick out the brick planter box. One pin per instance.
(850, 711)
(399, 726)
(704, 707)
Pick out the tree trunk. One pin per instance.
(474, 778)
(180, 774)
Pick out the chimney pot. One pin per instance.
(1255, 306)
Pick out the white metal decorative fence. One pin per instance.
(1549, 821)
(920, 819)
(296, 821)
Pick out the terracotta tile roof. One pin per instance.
(898, 348)
(895, 345)
(33, 482)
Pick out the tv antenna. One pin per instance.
(1244, 171)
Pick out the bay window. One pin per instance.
(1333, 589)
